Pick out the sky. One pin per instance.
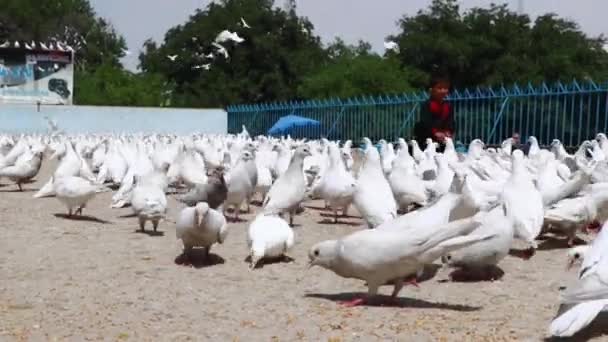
(370, 20)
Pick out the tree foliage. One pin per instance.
(354, 71)
(489, 46)
(282, 58)
(71, 21)
(111, 86)
(277, 53)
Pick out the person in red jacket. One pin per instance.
(436, 116)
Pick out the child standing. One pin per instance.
(436, 116)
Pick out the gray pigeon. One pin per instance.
(213, 192)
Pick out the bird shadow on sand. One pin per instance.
(331, 215)
(16, 190)
(269, 261)
(198, 259)
(490, 273)
(312, 207)
(597, 328)
(150, 232)
(340, 223)
(132, 215)
(525, 254)
(86, 218)
(552, 243)
(399, 302)
(232, 219)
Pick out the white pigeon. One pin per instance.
(24, 169)
(289, 190)
(221, 50)
(172, 58)
(227, 35)
(485, 254)
(523, 202)
(268, 237)
(576, 255)
(70, 165)
(337, 186)
(148, 202)
(44, 47)
(5, 44)
(240, 184)
(379, 256)
(589, 295)
(17, 45)
(244, 23)
(373, 196)
(202, 66)
(200, 226)
(74, 192)
(390, 45)
(407, 188)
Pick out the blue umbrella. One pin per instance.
(287, 124)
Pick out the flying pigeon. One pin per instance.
(390, 45)
(126, 52)
(221, 49)
(227, 35)
(203, 66)
(245, 25)
(172, 57)
(210, 55)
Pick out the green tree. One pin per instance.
(108, 85)
(488, 46)
(71, 21)
(278, 51)
(353, 70)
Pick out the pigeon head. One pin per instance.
(303, 151)
(322, 254)
(576, 256)
(532, 140)
(246, 156)
(200, 212)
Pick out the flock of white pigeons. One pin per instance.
(222, 38)
(420, 206)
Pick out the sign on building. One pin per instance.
(36, 76)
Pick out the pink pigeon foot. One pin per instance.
(354, 302)
(413, 281)
(593, 227)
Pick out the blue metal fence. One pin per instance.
(571, 112)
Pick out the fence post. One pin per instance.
(497, 118)
(333, 126)
(407, 120)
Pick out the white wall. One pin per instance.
(85, 119)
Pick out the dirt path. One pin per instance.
(98, 279)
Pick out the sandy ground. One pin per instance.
(99, 279)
